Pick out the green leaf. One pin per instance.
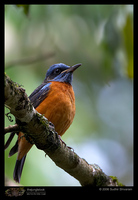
(25, 8)
(128, 44)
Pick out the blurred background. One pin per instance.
(101, 38)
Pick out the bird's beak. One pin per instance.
(73, 68)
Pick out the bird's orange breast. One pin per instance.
(59, 106)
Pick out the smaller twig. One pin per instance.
(13, 128)
(9, 117)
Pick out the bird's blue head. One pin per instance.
(61, 73)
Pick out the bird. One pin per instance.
(55, 99)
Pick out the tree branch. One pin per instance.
(13, 128)
(37, 128)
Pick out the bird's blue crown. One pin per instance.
(57, 72)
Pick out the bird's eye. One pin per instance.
(57, 71)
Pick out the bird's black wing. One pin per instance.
(39, 94)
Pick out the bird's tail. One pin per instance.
(18, 169)
(9, 140)
(19, 163)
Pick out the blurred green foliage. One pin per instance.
(101, 38)
(25, 8)
(128, 43)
